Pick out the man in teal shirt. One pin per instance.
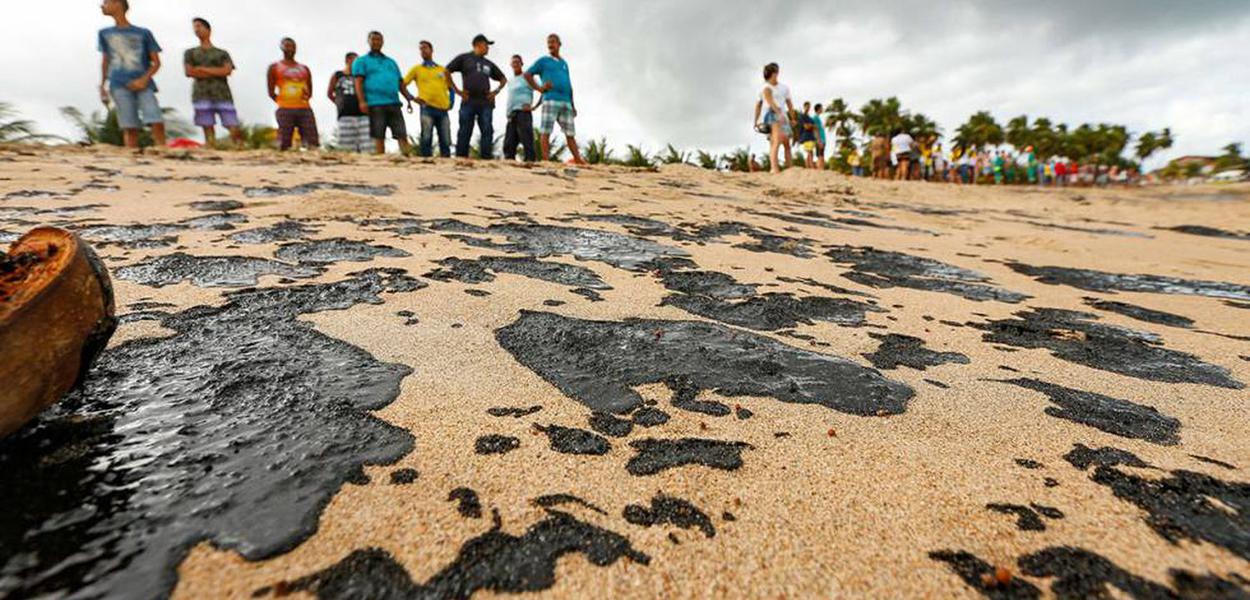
(557, 90)
(378, 85)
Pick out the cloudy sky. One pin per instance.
(652, 72)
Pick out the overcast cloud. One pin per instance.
(687, 72)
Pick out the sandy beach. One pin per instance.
(343, 376)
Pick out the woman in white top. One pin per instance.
(775, 98)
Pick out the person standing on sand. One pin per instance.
(520, 114)
(821, 139)
(557, 100)
(477, 99)
(855, 160)
(209, 66)
(775, 97)
(435, 98)
(290, 87)
(131, 58)
(353, 125)
(902, 147)
(378, 86)
(880, 149)
(807, 136)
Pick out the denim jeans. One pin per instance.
(482, 115)
(433, 119)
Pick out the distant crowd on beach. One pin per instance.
(370, 94)
(901, 156)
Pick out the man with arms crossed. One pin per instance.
(558, 106)
(211, 98)
(290, 87)
(131, 58)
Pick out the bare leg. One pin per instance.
(131, 138)
(158, 135)
(572, 144)
(210, 136)
(545, 142)
(379, 146)
(404, 146)
(236, 135)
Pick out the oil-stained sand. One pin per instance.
(342, 377)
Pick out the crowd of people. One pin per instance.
(900, 156)
(370, 94)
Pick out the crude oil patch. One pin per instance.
(216, 205)
(569, 440)
(155, 235)
(1101, 281)
(324, 252)
(1080, 573)
(616, 249)
(237, 430)
(720, 297)
(1028, 518)
(886, 269)
(282, 231)
(273, 191)
(670, 510)
(1140, 313)
(598, 363)
(1205, 231)
(482, 270)
(908, 351)
(653, 456)
(1076, 337)
(209, 271)
(1184, 506)
(1112, 415)
(496, 561)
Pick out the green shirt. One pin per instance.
(216, 89)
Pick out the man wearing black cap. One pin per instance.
(478, 100)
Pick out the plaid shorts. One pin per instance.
(557, 111)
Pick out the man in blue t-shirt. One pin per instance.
(378, 86)
(557, 90)
(131, 58)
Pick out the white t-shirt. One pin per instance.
(781, 93)
(901, 143)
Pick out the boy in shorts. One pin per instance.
(211, 98)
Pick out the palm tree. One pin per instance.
(637, 158)
(1019, 134)
(980, 131)
(706, 161)
(882, 117)
(17, 130)
(102, 128)
(739, 160)
(672, 156)
(921, 127)
(842, 121)
(598, 152)
(1150, 142)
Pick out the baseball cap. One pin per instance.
(482, 38)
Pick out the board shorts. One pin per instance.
(207, 113)
(557, 111)
(136, 109)
(809, 146)
(389, 116)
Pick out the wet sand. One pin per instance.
(369, 377)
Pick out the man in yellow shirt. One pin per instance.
(435, 98)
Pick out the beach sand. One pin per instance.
(849, 477)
